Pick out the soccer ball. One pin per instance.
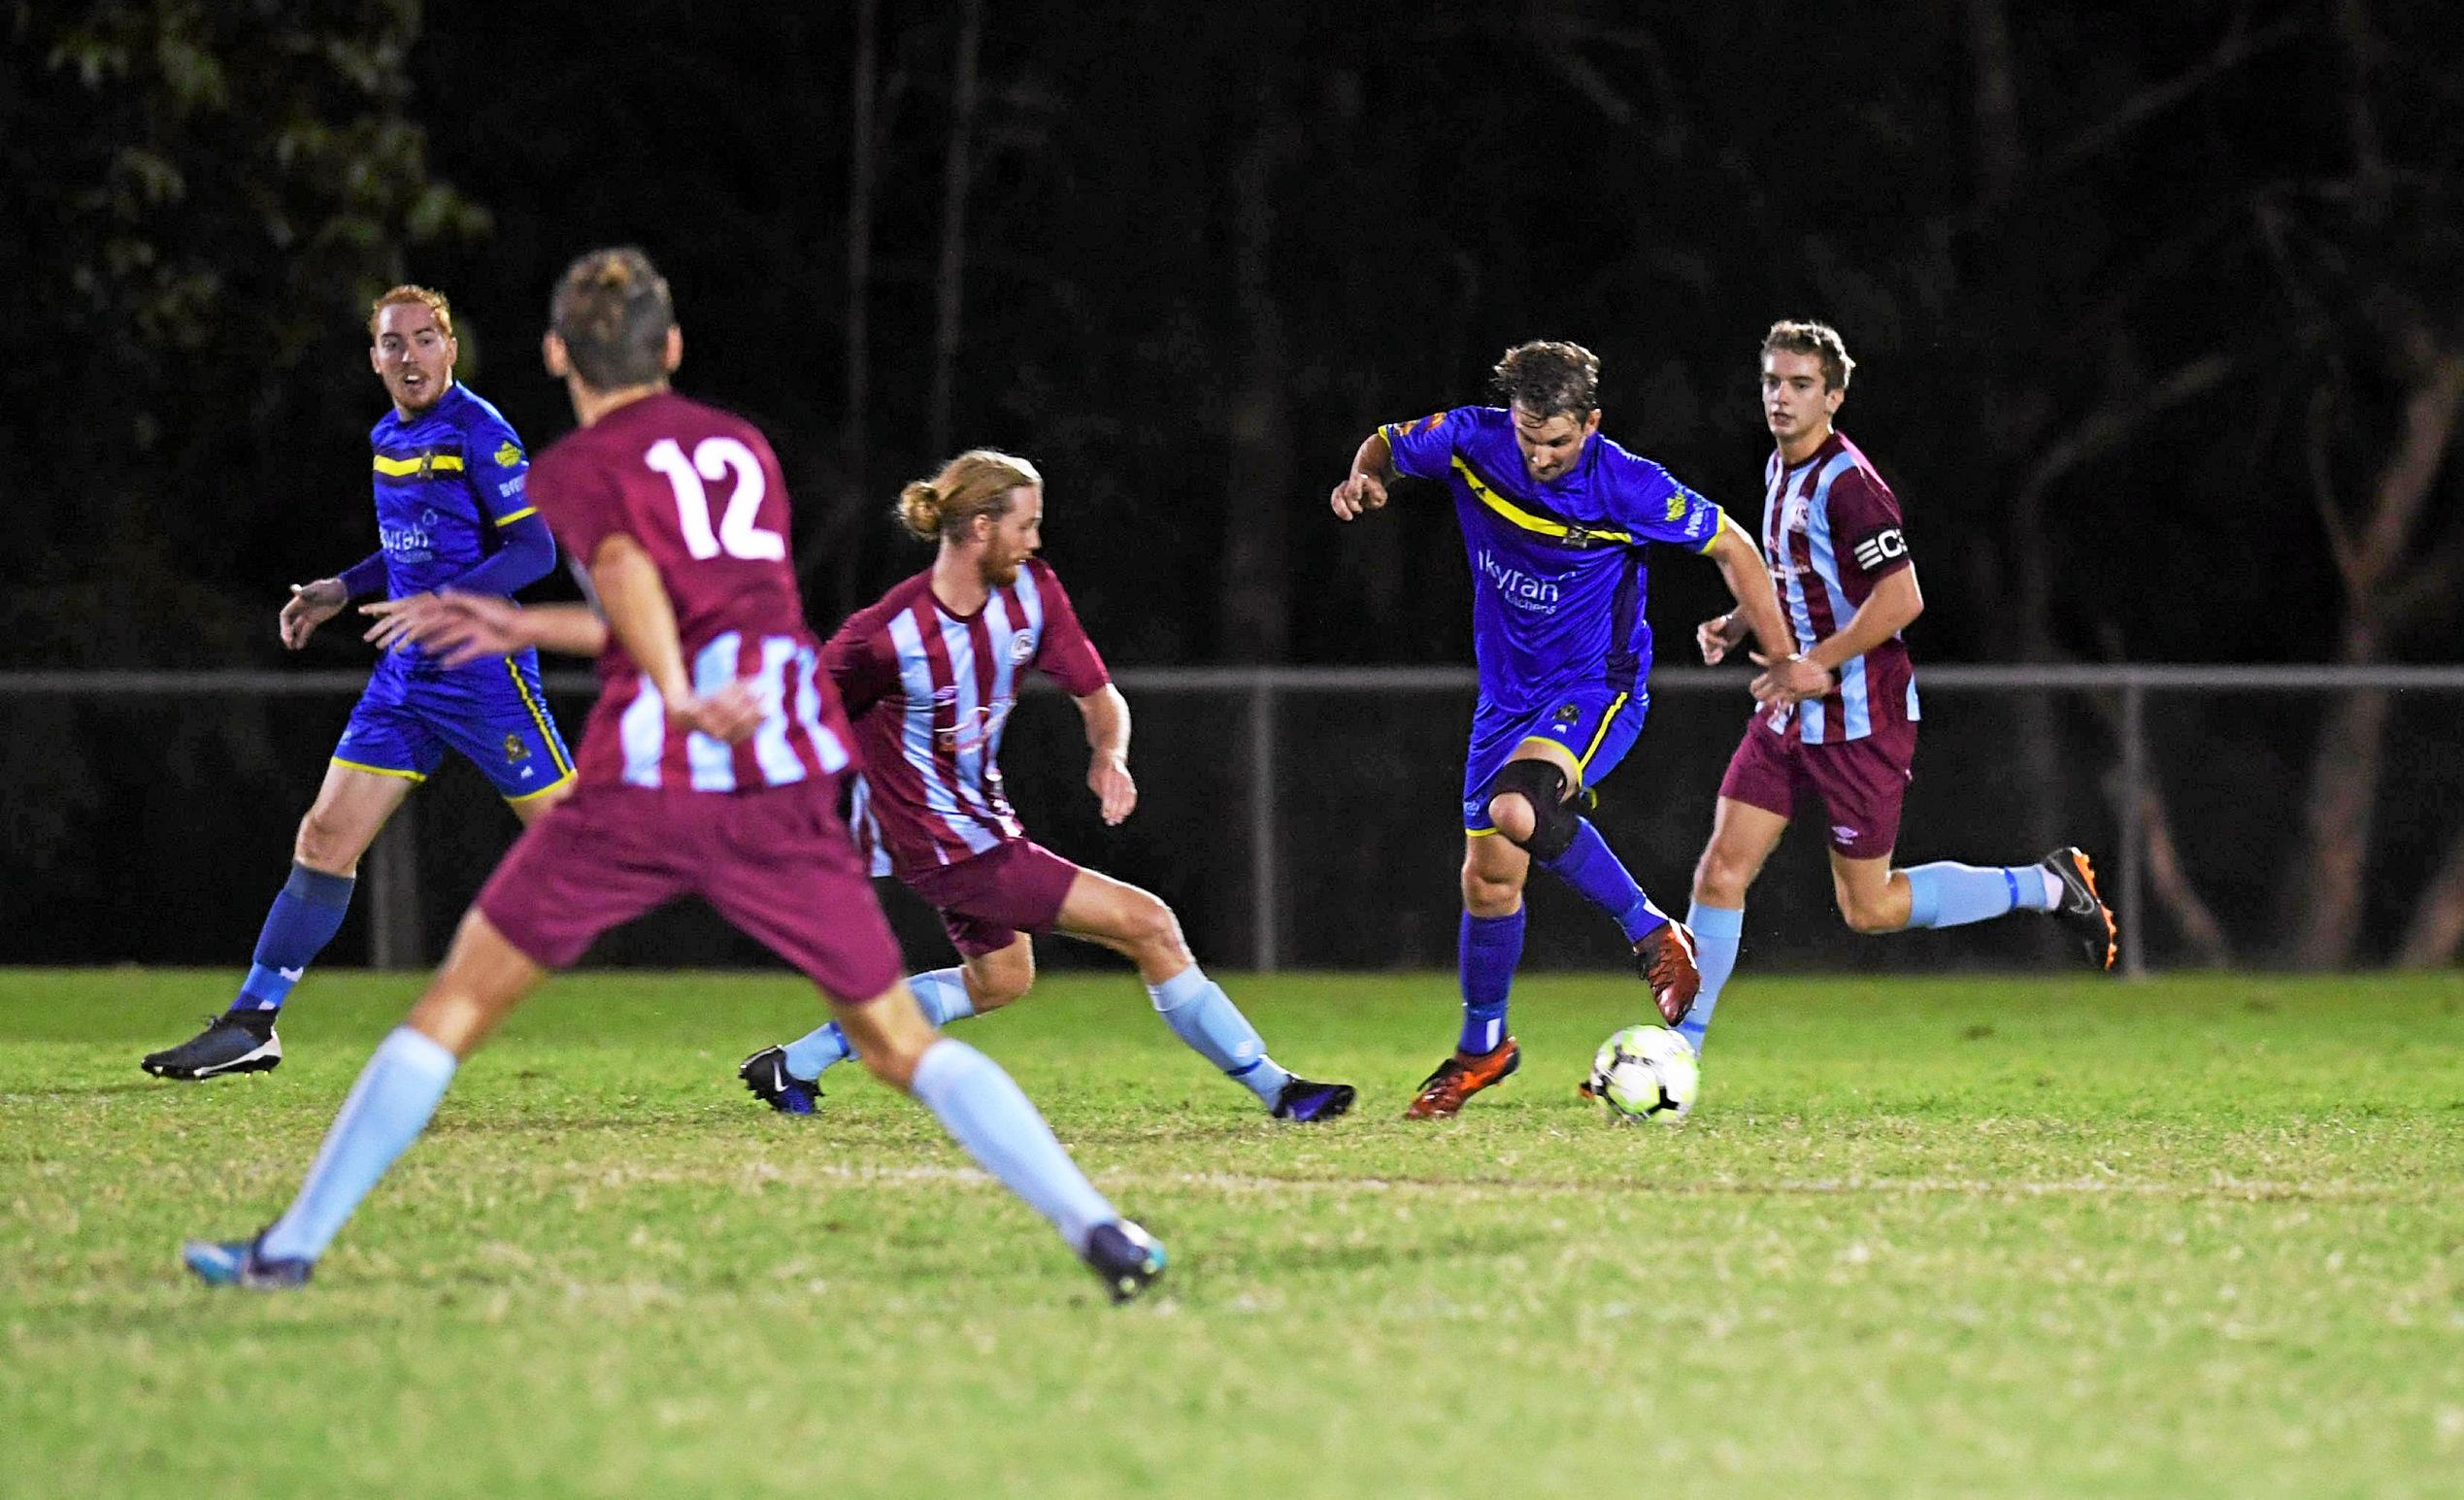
(1647, 1073)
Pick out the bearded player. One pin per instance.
(1839, 721)
(710, 767)
(1556, 520)
(930, 673)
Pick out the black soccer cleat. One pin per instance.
(239, 1263)
(234, 1041)
(1124, 1256)
(766, 1077)
(1304, 1101)
(2082, 911)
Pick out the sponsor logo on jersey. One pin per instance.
(507, 456)
(1881, 548)
(1677, 507)
(1523, 590)
(514, 487)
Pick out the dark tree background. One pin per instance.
(2159, 309)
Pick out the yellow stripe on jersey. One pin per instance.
(507, 520)
(432, 463)
(539, 716)
(1525, 519)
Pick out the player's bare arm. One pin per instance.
(461, 628)
(310, 606)
(644, 620)
(1364, 488)
(1890, 607)
(1757, 611)
(1106, 716)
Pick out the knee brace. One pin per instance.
(1543, 784)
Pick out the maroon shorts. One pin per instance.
(778, 864)
(1860, 784)
(988, 901)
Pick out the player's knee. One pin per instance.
(1486, 893)
(1868, 914)
(1154, 933)
(1527, 802)
(1001, 979)
(323, 844)
(1721, 877)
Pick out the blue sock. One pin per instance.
(1594, 870)
(305, 918)
(1953, 895)
(985, 1111)
(384, 1113)
(1203, 1017)
(942, 995)
(1486, 949)
(1716, 929)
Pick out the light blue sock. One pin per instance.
(384, 1113)
(941, 994)
(1716, 929)
(305, 917)
(1944, 895)
(985, 1111)
(1594, 870)
(1201, 1014)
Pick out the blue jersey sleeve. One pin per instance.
(498, 468)
(1424, 447)
(1656, 508)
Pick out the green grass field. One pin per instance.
(2203, 1237)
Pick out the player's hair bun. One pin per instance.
(919, 510)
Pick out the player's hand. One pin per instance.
(729, 716)
(457, 627)
(1718, 636)
(1109, 779)
(311, 606)
(1790, 681)
(1357, 495)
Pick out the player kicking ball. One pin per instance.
(710, 767)
(1838, 718)
(452, 512)
(930, 673)
(1556, 520)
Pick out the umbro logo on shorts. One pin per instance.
(1881, 548)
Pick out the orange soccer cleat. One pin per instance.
(1461, 1075)
(1666, 959)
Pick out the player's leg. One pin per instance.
(351, 805)
(1743, 836)
(994, 1121)
(1139, 925)
(566, 881)
(996, 967)
(1535, 800)
(808, 900)
(1488, 946)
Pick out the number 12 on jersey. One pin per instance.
(715, 458)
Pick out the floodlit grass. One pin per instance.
(2203, 1236)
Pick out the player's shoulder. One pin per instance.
(874, 617)
(488, 439)
(1857, 477)
(1454, 421)
(1627, 470)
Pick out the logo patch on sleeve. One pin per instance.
(1677, 507)
(1884, 546)
(507, 456)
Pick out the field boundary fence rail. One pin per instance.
(1264, 694)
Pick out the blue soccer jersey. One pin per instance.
(1557, 573)
(446, 480)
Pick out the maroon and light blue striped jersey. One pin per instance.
(1830, 532)
(930, 690)
(699, 490)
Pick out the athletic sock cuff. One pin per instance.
(317, 888)
(1186, 987)
(1715, 921)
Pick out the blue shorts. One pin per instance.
(1596, 725)
(493, 711)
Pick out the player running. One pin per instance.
(1840, 719)
(930, 673)
(452, 512)
(710, 767)
(1555, 524)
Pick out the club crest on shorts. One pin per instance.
(515, 752)
(1567, 712)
